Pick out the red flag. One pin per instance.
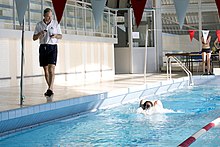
(59, 6)
(191, 34)
(138, 7)
(218, 6)
(218, 35)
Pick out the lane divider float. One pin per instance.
(195, 136)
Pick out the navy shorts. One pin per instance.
(207, 50)
(47, 54)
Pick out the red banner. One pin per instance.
(218, 6)
(218, 35)
(138, 7)
(191, 34)
(59, 6)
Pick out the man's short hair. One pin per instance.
(47, 10)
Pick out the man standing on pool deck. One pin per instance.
(48, 32)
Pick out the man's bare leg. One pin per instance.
(46, 74)
(49, 77)
(51, 71)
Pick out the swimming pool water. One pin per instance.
(122, 126)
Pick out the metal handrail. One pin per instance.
(189, 74)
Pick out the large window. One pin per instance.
(77, 17)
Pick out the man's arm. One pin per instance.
(57, 36)
(38, 35)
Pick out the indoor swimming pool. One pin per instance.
(187, 111)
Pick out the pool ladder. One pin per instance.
(169, 74)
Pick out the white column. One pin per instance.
(130, 39)
(200, 23)
(158, 33)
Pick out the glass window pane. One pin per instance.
(146, 21)
(6, 15)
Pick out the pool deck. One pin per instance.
(72, 100)
(10, 96)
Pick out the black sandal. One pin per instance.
(48, 93)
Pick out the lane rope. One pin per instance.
(202, 131)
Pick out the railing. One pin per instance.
(169, 70)
(77, 18)
(195, 136)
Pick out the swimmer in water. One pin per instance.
(149, 107)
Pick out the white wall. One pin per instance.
(179, 43)
(80, 59)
